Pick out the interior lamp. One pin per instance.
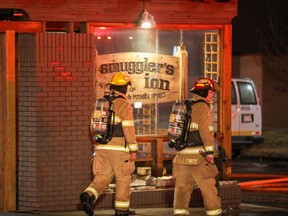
(145, 20)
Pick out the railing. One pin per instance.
(156, 141)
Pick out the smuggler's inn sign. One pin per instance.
(155, 77)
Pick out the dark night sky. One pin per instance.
(261, 26)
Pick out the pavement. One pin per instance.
(278, 138)
(275, 145)
(243, 210)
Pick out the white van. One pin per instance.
(246, 115)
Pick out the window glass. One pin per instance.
(151, 57)
(247, 94)
(234, 99)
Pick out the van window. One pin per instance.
(233, 99)
(246, 92)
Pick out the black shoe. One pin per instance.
(125, 213)
(87, 203)
(224, 213)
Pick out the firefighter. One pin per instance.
(194, 165)
(117, 157)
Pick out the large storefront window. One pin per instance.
(163, 65)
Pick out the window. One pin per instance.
(212, 55)
(234, 98)
(151, 57)
(247, 94)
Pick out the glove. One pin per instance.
(208, 158)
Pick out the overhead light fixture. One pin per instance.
(145, 20)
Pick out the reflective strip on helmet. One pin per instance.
(194, 126)
(211, 128)
(122, 204)
(214, 212)
(93, 191)
(209, 148)
(190, 151)
(133, 147)
(127, 123)
(181, 212)
(111, 147)
(205, 83)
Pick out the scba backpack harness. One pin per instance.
(102, 124)
(179, 124)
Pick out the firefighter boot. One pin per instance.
(87, 202)
(224, 213)
(125, 213)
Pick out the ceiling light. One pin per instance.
(145, 20)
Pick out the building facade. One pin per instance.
(48, 66)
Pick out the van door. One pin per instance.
(246, 112)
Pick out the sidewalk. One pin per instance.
(245, 209)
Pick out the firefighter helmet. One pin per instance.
(120, 79)
(205, 84)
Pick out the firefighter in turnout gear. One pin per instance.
(117, 157)
(194, 165)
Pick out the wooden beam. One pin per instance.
(94, 25)
(24, 27)
(2, 114)
(225, 106)
(9, 180)
(43, 26)
(165, 11)
(70, 27)
(84, 27)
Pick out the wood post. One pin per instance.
(9, 179)
(225, 97)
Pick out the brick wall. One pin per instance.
(55, 77)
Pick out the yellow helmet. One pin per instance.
(120, 79)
